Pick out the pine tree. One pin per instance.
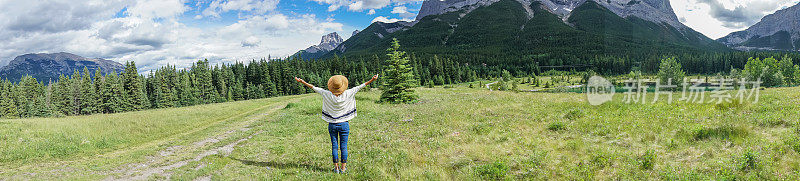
(113, 94)
(98, 91)
(133, 89)
(507, 76)
(7, 105)
(399, 77)
(205, 85)
(75, 95)
(61, 96)
(87, 93)
(669, 69)
(48, 98)
(186, 90)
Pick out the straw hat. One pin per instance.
(337, 84)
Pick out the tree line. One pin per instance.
(85, 92)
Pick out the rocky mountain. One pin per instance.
(48, 66)
(355, 32)
(658, 11)
(573, 27)
(778, 31)
(328, 43)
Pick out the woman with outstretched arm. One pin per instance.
(338, 108)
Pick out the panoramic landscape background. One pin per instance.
(180, 90)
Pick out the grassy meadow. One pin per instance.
(455, 133)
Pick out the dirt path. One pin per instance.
(177, 156)
(218, 137)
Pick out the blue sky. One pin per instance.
(155, 33)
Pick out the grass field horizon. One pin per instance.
(456, 133)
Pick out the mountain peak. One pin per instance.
(326, 44)
(331, 38)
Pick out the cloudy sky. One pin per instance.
(154, 33)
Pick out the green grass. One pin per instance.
(452, 134)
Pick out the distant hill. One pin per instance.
(777, 31)
(567, 28)
(48, 66)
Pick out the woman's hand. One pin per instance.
(303, 82)
(373, 79)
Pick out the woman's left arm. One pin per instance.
(371, 80)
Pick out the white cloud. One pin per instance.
(256, 6)
(389, 20)
(360, 5)
(25, 16)
(399, 10)
(355, 6)
(403, 12)
(151, 34)
(157, 8)
(717, 18)
(371, 12)
(251, 41)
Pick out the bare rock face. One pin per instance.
(328, 43)
(659, 11)
(777, 31)
(49, 66)
(355, 32)
(434, 7)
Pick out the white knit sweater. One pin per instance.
(337, 109)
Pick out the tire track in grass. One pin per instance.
(143, 171)
(59, 167)
(195, 130)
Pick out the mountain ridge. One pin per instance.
(777, 31)
(49, 66)
(452, 30)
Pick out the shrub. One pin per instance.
(574, 114)
(514, 86)
(748, 160)
(556, 126)
(494, 171)
(647, 160)
(789, 71)
(733, 105)
(507, 76)
(290, 105)
(600, 160)
(482, 128)
(722, 132)
(794, 143)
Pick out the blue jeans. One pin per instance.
(339, 132)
